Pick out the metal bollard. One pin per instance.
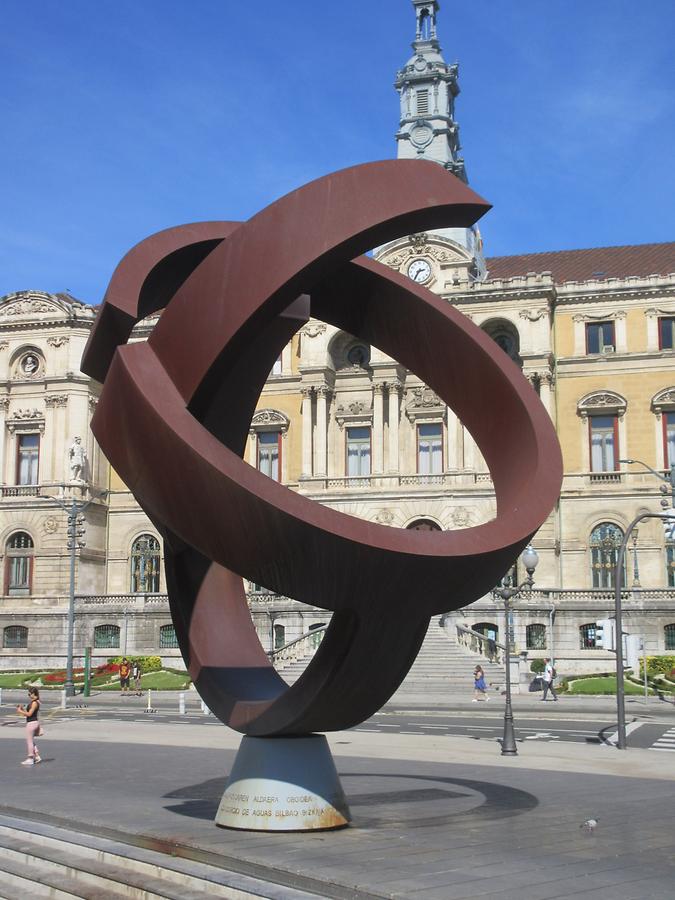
(63, 699)
(181, 703)
(0, 696)
(149, 699)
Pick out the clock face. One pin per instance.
(419, 270)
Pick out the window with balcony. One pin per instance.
(669, 636)
(604, 544)
(107, 637)
(358, 451)
(587, 636)
(667, 333)
(604, 441)
(429, 449)
(19, 551)
(27, 458)
(279, 636)
(535, 637)
(670, 563)
(168, 639)
(145, 565)
(668, 438)
(269, 454)
(600, 337)
(15, 637)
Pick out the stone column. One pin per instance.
(322, 394)
(4, 438)
(546, 385)
(395, 388)
(378, 429)
(306, 432)
(253, 448)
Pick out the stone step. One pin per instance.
(38, 860)
(442, 665)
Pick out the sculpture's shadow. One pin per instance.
(418, 802)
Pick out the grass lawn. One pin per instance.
(605, 684)
(156, 681)
(16, 679)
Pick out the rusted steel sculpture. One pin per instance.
(174, 414)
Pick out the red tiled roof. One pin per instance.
(583, 265)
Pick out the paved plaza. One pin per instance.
(434, 815)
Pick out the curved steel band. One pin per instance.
(174, 416)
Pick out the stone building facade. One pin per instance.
(592, 330)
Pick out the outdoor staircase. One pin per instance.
(39, 860)
(442, 667)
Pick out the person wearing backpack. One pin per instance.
(549, 676)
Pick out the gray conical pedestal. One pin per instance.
(283, 784)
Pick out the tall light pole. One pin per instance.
(618, 618)
(75, 532)
(529, 559)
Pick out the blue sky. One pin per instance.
(121, 118)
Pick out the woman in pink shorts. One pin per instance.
(31, 713)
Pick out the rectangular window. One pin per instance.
(423, 102)
(600, 337)
(604, 443)
(358, 451)
(667, 333)
(269, 452)
(28, 454)
(18, 575)
(669, 439)
(429, 449)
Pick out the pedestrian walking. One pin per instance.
(479, 685)
(136, 673)
(125, 673)
(31, 714)
(548, 676)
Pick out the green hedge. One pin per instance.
(658, 665)
(147, 663)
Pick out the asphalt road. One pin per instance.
(549, 724)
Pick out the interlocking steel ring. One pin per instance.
(174, 415)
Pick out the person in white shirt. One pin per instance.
(548, 676)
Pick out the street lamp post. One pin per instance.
(529, 558)
(618, 617)
(75, 532)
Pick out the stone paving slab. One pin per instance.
(434, 817)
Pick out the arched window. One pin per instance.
(15, 637)
(423, 525)
(604, 543)
(107, 637)
(505, 335)
(587, 636)
(145, 565)
(487, 629)
(19, 564)
(279, 636)
(167, 637)
(669, 635)
(535, 637)
(318, 637)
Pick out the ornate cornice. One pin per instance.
(269, 420)
(423, 402)
(26, 420)
(56, 400)
(353, 413)
(664, 400)
(602, 401)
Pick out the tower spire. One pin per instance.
(427, 86)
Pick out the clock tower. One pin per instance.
(428, 87)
